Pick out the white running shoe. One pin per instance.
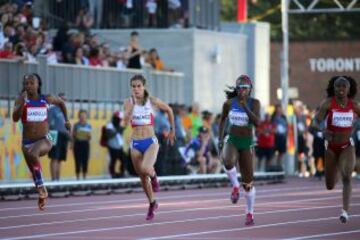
(344, 217)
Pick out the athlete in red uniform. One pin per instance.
(32, 108)
(340, 110)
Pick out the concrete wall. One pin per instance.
(219, 59)
(191, 51)
(258, 55)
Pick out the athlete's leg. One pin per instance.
(346, 167)
(32, 157)
(229, 156)
(331, 169)
(247, 177)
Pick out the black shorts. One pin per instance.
(280, 143)
(60, 149)
(266, 153)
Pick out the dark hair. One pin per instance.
(232, 92)
(83, 111)
(353, 86)
(36, 76)
(134, 33)
(143, 81)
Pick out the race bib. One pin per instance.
(238, 118)
(36, 114)
(342, 119)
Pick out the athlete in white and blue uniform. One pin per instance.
(144, 145)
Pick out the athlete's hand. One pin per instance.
(328, 135)
(171, 137)
(68, 125)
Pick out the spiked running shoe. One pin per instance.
(151, 212)
(344, 217)
(235, 195)
(43, 195)
(155, 184)
(249, 219)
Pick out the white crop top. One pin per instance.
(142, 115)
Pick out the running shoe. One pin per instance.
(43, 195)
(235, 195)
(249, 219)
(151, 212)
(344, 217)
(155, 184)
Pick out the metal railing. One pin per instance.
(89, 85)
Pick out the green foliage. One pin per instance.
(321, 26)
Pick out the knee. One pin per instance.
(228, 166)
(247, 186)
(346, 180)
(145, 171)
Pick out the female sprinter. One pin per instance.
(243, 113)
(144, 145)
(32, 108)
(339, 110)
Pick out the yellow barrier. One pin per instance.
(12, 163)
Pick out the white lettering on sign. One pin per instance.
(334, 64)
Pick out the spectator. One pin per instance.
(7, 52)
(115, 143)
(280, 121)
(265, 142)
(196, 121)
(134, 51)
(156, 62)
(162, 130)
(80, 59)
(121, 61)
(81, 144)
(94, 58)
(151, 7)
(202, 161)
(58, 152)
(84, 21)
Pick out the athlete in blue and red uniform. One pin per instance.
(32, 108)
(339, 110)
(144, 146)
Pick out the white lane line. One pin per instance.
(161, 198)
(144, 204)
(185, 221)
(323, 235)
(158, 213)
(252, 228)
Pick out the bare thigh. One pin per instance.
(347, 161)
(331, 169)
(246, 166)
(229, 155)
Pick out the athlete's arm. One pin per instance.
(61, 104)
(321, 114)
(254, 112)
(19, 106)
(224, 115)
(166, 108)
(356, 106)
(128, 109)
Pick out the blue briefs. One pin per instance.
(142, 144)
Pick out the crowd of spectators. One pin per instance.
(23, 37)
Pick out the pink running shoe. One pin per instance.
(155, 184)
(152, 207)
(249, 219)
(235, 195)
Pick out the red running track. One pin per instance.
(296, 209)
